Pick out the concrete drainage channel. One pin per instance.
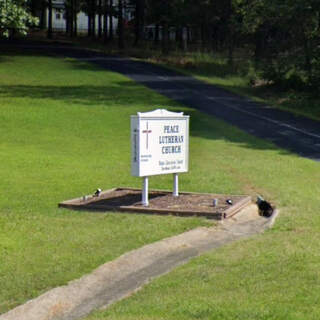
(120, 278)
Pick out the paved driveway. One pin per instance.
(294, 133)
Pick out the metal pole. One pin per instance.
(145, 200)
(175, 185)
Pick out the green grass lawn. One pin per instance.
(65, 130)
(275, 275)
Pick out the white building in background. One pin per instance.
(59, 18)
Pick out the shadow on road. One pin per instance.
(283, 129)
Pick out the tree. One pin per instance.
(49, 35)
(72, 8)
(38, 8)
(89, 7)
(111, 13)
(106, 14)
(120, 25)
(161, 13)
(291, 29)
(139, 20)
(15, 17)
(100, 14)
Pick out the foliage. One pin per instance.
(243, 79)
(282, 35)
(15, 17)
(286, 38)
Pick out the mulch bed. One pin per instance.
(162, 202)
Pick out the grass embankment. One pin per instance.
(271, 276)
(275, 275)
(58, 146)
(64, 132)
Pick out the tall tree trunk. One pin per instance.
(33, 8)
(179, 35)
(43, 15)
(189, 37)
(89, 24)
(139, 20)
(307, 57)
(137, 23)
(105, 21)
(71, 17)
(111, 20)
(49, 35)
(75, 20)
(157, 34)
(203, 36)
(71, 24)
(184, 39)
(231, 46)
(120, 25)
(67, 21)
(100, 19)
(105, 28)
(259, 41)
(93, 18)
(165, 38)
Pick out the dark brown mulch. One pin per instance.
(162, 202)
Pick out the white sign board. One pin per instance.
(159, 143)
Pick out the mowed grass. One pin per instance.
(65, 130)
(275, 275)
(65, 135)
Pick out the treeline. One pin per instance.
(282, 36)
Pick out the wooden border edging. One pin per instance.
(89, 204)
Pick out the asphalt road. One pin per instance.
(296, 134)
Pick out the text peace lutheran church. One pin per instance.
(177, 140)
(160, 145)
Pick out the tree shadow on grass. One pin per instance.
(131, 94)
(126, 94)
(89, 95)
(184, 90)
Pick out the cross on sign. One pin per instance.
(147, 131)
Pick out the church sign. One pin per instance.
(159, 145)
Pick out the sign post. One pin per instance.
(145, 195)
(175, 192)
(159, 145)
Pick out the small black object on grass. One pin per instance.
(97, 193)
(265, 207)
